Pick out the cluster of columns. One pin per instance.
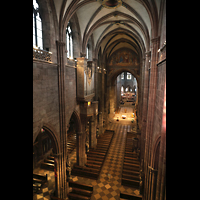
(154, 177)
(61, 187)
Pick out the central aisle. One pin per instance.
(103, 188)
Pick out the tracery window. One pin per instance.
(128, 75)
(37, 26)
(122, 75)
(69, 41)
(87, 52)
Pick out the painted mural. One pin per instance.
(124, 58)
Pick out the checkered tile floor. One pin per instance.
(46, 191)
(108, 186)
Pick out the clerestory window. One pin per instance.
(37, 26)
(69, 41)
(87, 52)
(128, 75)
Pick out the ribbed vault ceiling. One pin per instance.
(129, 25)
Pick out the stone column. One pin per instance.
(112, 100)
(81, 62)
(151, 108)
(92, 133)
(95, 79)
(145, 102)
(62, 190)
(100, 123)
(80, 149)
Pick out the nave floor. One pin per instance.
(103, 188)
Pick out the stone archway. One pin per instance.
(111, 104)
(45, 143)
(80, 140)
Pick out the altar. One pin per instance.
(123, 116)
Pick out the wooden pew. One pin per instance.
(96, 153)
(132, 161)
(38, 182)
(131, 172)
(128, 176)
(131, 168)
(50, 157)
(48, 166)
(80, 185)
(95, 157)
(94, 162)
(93, 165)
(85, 173)
(131, 165)
(40, 177)
(129, 196)
(130, 183)
(80, 191)
(73, 196)
(55, 198)
(49, 161)
(86, 193)
(88, 172)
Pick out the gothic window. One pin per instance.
(69, 41)
(37, 26)
(128, 75)
(87, 52)
(122, 75)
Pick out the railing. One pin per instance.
(41, 54)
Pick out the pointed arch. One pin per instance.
(77, 120)
(51, 133)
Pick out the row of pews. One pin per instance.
(131, 166)
(39, 181)
(95, 157)
(48, 163)
(79, 191)
(71, 142)
(129, 196)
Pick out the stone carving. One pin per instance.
(41, 54)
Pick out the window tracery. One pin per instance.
(69, 41)
(37, 26)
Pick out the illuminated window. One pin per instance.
(69, 41)
(128, 75)
(122, 75)
(87, 52)
(37, 26)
